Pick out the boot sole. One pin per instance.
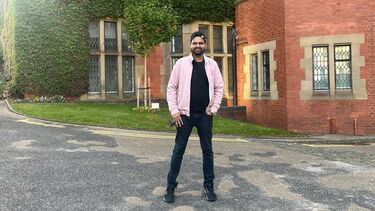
(204, 195)
(169, 202)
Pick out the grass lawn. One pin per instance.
(122, 115)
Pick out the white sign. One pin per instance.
(155, 105)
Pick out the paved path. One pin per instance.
(53, 166)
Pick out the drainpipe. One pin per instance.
(234, 68)
(355, 126)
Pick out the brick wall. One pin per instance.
(368, 71)
(154, 61)
(258, 22)
(286, 22)
(318, 18)
(233, 112)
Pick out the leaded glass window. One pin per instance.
(230, 75)
(343, 71)
(110, 36)
(111, 77)
(94, 35)
(320, 68)
(177, 46)
(218, 39)
(205, 30)
(254, 72)
(230, 40)
(94, 75)
(128, 74)
(125, 42)
(219, 61)
(266, 70)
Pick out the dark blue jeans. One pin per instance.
(203, 123)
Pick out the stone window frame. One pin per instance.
(322, 62)
(254, 72)
(358, 90)
(187, 29)
(102, 53)
(258, 49)
(265, 81)
(175, 55)
(224, 55)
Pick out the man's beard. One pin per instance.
(200, 53)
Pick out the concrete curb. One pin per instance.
(325, 140)
(330, 139)
(13, 111)
(28, 116)
(75, 124)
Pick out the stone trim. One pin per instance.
(187, 29)
(166, 67)
(258, 49)
(102, 59)
(138, 62)
(358, 90)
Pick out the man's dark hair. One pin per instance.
(198, 34)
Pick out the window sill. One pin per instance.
(344, 94)
(266, 94)
(339, 94)
(321, 93)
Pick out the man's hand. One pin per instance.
(210, 113)
(177, 118)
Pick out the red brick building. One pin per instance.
(307, 66)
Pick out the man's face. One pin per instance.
(197, 46)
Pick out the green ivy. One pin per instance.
(2, 85)
(2, 79)
(51, 48)
(8, 48)
(204, 10)
(45, 43)
(149, 16)
(105, 8)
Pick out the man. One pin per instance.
(194, 94)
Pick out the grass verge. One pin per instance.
(122, 115)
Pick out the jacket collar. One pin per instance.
(192, 58)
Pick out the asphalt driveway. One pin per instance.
(53, 166)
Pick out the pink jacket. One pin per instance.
(178, 91)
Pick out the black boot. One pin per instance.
(208, 193)
(169, 194)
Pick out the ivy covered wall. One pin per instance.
(2, 79)
(204, 10)
(104, 8)
(46, 47)
(7, 35)
(45, 42)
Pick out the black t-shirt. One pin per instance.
(199, 96)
